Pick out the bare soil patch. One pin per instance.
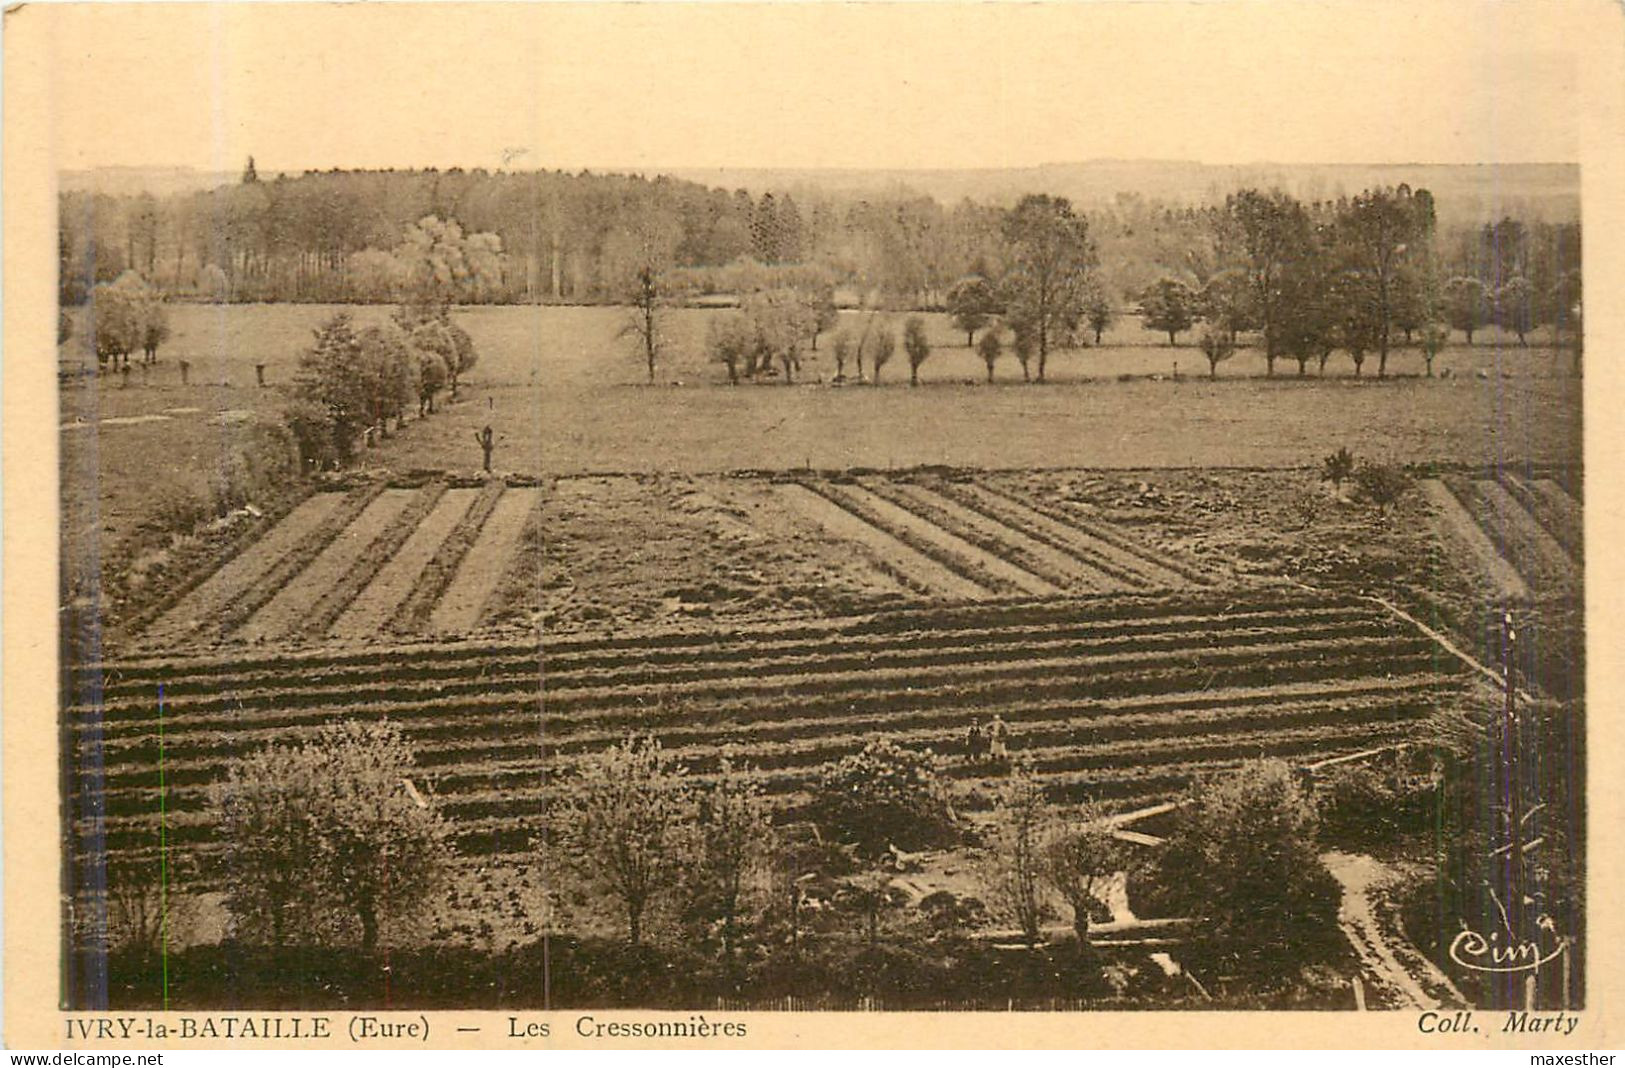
(483, 567)
(284, 613)
(1058, 570)
(911, 567)
(376, 604)
(1534, 552)
(239, 573)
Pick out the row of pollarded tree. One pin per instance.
(1044, 290)
(1308, 280)
(766, 338)
(352, 383)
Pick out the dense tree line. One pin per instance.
(353, 383)
(553, 236)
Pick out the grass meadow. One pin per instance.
(567, 394)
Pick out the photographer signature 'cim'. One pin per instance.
(1475, 952)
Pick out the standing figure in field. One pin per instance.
(488, 441)
(998, 738)
(975, 743)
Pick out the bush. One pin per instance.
(311, 425)
(884, 796)
(176, 509)
(623, 823)
(1381, 484)
(947, 914)
(1365, 805)
(265, 462)
(1016, 843)
(1337, 467)
(1242, 862)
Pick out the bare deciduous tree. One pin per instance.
(1018, 864)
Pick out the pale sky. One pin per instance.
(681, 85)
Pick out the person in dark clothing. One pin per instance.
(975, 743)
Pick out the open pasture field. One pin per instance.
(567, 395)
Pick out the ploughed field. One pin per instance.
(379, 560)
(1123, 697)
(1524, 534)
(395, 562)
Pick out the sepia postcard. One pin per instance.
(750, 525)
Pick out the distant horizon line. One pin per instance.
(836, 169)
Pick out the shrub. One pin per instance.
(621, 823)
(884, 795)
(176, 509)
(1017, 846)
(265, 461)
(311, 425)
(1374, 803)
(1242, 862)
(1080, 862)
(732, 836)
(1337, 468)
(1382, 484)
(947, 914)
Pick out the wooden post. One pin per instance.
(1512, 773)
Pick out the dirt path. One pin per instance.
(487, 561)
(915, 568)
(287, 610)
(1057, 566)
(959, 548)
(376, 604)
(1458, 526)
(239, 573)
(1360, 876)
